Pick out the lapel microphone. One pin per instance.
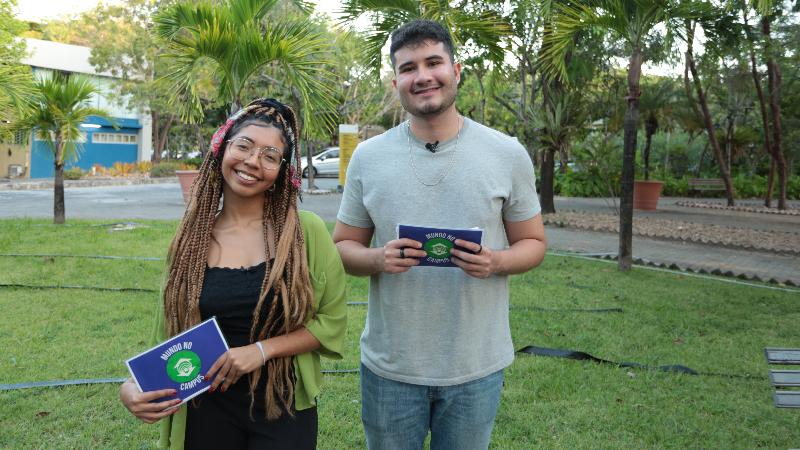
(432, 147)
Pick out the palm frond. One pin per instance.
(59, 106)
(238, 48)
(486, 26)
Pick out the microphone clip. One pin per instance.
(432, 147)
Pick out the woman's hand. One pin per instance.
(233, 364)
(138, 403)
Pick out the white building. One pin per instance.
(104, 145)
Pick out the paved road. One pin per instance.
(164, 201)
(154, 201)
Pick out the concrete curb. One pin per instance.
(25, 185)
(673, 266)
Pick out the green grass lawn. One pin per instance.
(708, 325)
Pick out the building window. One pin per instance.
(113, 138)
(19, 138)
(81, 138)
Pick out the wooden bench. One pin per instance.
(706, 184)
(784, 378)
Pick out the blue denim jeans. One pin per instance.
(397, 416)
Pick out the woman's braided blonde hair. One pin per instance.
(288, 277)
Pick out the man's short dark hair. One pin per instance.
(415, 33)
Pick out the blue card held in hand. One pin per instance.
(180, 363)
(437, 242)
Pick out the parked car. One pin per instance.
(326, 162)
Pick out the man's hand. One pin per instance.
(480, 265)
(397, 259)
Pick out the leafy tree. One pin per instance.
(128, 49)
(633, 21)
(480, 25)
(59, 107)
(704, 113)
(15, 78)
(233, 40)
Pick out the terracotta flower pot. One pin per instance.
(646, 194)
(186, 178)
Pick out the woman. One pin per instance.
(259, 257)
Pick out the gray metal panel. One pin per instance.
(782, 355)
(787, 399)
(784, 378)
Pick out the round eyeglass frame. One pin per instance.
(261, 150)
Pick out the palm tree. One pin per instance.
(556, 124)
(481, 26)
(658, 106)
(631, 20)
(59, 107)
(234, 39)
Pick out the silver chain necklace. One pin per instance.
(408, 136)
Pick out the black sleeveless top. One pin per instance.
(232, 296)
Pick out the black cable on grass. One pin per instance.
(581, 356)
(619, 310)
(567, 285)
(15, 386)
(348, 303)
(85, 256)
(78, 287)
(87, 225)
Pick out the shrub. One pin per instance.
(74, 173)
(193, 162)
(675, 188)
(165, 169)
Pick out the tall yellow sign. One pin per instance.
(348, 139)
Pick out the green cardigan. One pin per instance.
(328, 325)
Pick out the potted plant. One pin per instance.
(657, 107)
(186, 178)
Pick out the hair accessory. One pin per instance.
(216, 141)
(263, 358)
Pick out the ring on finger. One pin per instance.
(480, 249)
(402, 253)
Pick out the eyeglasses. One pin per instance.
(241, 149)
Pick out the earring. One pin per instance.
(271, 188)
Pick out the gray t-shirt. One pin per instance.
(438, 326)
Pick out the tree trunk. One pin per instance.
(546, 182)
(156, 150)
(702, 156)
(650, 127)
(625, 257)
(774, 79)
(770, 183)
(59, 216)
(765, 122)
(712, 134)
(201, 143)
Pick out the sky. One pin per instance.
(43, 9)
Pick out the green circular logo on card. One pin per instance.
(438, 248)
(183, 366)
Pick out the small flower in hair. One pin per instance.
(294, 178)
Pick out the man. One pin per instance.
(436, 339)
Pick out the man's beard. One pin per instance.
(431, 110)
